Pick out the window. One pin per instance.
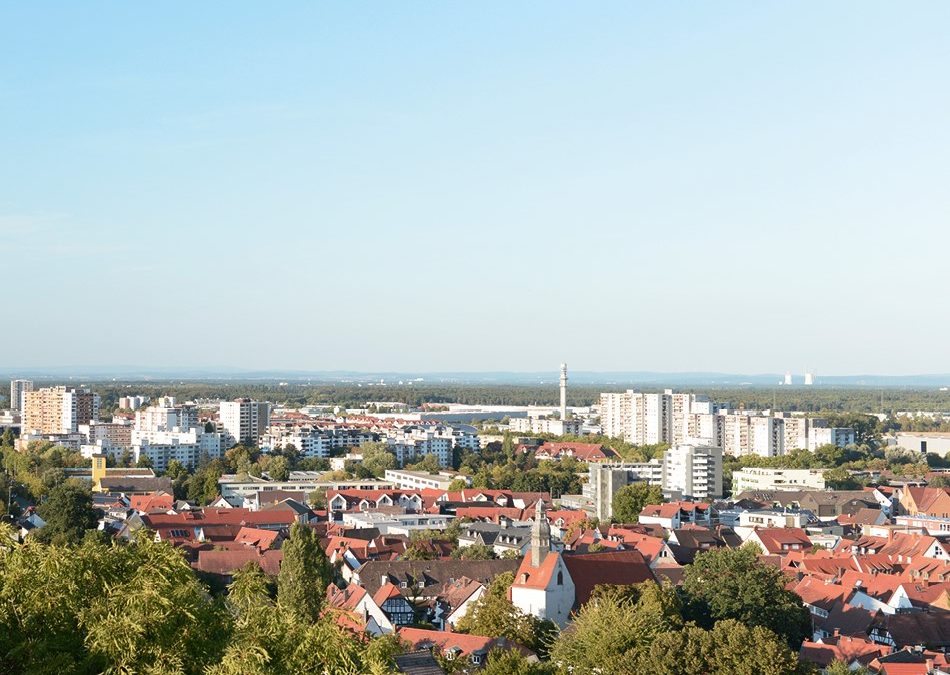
(560, 578)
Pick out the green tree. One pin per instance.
(730, 648)
(278, 468)
(377, 458)
(474, 552)
(734, 584)
(608, 631)
(458, 484)
(68, 513)
(494, 615)
(629, 500)
(512, 662)
(305, 573)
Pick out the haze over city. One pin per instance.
(733, 188)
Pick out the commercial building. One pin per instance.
(769, 480)
(17, 389)
(245, 420)
(924, 442)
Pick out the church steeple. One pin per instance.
(540, 536)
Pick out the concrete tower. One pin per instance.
(540, 536)
(563, 391)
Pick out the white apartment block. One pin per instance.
(185, 446)
(166, 415)
(17, 389)
(417, 480)
(839, 436)
(245, 419)
(412, 443)
(770, 480)
(693, 470)
(647, 419)
(545, 425)
(170, 431)
(313, 441)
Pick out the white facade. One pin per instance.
(545, 425)
(169, 431)
(411, 444)
(647, 419)
(313, 441)
(693, 470)
(416, 480)
(769, 480)
(839, 436)
(245, 420)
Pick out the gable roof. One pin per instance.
(615, 568)
(228, 562)
(433, 573)
(778, 540)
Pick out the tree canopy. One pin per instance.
(629, 500)
(734, 584)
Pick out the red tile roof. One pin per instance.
(229, 562)
(445, 641)
(585, 452)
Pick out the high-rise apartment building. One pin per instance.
(58, 410)
(245, 420)
(693, 470)
(17, 389)
(647, 419)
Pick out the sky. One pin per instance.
(736, 186)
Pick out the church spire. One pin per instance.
(540, 536)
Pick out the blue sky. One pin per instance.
(744, 187)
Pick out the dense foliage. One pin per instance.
(642, 629)
(629, 500)
(733, 584)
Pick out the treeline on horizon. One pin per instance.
(791, 399)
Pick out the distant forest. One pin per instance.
(808, 399)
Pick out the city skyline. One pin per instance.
(725, 188)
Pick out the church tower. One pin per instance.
(540, 536)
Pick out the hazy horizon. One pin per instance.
(738, 188)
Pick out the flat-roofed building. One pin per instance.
(768, 480)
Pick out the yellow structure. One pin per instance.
(99, 471)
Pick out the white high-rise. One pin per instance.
(245, 420)
(646, 419)
(693, 470)
(17, 389)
